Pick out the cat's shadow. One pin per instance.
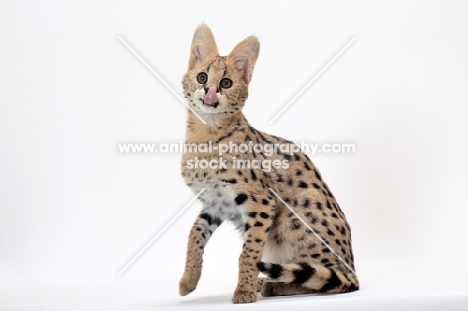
(227, 300)
(210, 300)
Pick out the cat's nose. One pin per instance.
(208, 88)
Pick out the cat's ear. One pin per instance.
(203, 46)
(244, 56)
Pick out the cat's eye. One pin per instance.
(202, 78)
(225, 83)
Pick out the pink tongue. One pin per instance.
(211, 97)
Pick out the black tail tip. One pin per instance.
(261, 266)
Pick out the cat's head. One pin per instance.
(218, 85)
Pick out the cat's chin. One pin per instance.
(214, 105)
(209, 109)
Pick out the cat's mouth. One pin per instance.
(214, 105)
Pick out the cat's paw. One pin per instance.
(186, 286)
(244, 296)
(268, 289)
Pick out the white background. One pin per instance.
(74, 210)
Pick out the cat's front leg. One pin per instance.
(260, 220)
(202, 229)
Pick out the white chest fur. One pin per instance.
(219, 200)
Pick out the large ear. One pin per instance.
(203, 46)
(244, 56)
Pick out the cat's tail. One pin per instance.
(313, 276)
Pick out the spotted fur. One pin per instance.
(276, 242)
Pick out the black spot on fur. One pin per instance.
(303, 275)
(254, 177)
(252, 214)
(317, 175)
(332, 282)
(307, 167)
(295, 224)
(211, 220)
(264, 215)
(302, 184)
(315, 186)
(305, 203)
(265, 202)
(278, 238)
(258, 224)
(227, 135)
(229, 181)
(241, 198)
(328, 191)
(311, 217)
(246, 227)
